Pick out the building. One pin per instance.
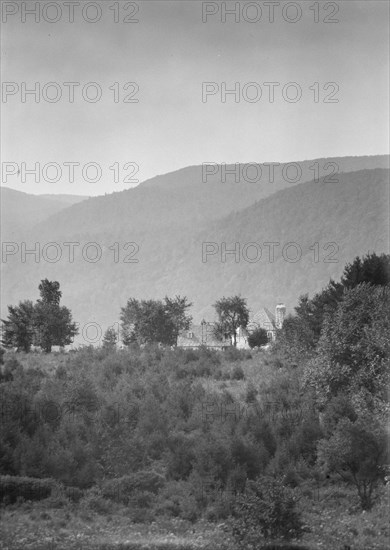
(262, 319)
(201, 335)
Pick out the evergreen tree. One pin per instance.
(371, 269)
(110, 339)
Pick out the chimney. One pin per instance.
(280, 312)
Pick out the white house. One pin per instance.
(201, 336)
(263, 319)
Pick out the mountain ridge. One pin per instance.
(192, 200)
(20, 210)
(352, 213)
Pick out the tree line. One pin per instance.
(337, 341)
(44, 324)
(47, 324)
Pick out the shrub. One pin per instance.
(218, 511)
(123, 489)
(61, 372)
(11, 368)
(233, 354)
(177, 499)
(358, 452)
(258, 338)
(74, 494)
(28, 488)
(190, 355)
(209, 355)
(57, 500)
(219, 374)
(180, 456)
(203, 368)
(265, 512)
(196, 369)
(95, 502)
(251, 392)
(141, 515)
(237, 374)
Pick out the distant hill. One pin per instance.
(65, 199)
(192, 175)
(346, 219)
(21, 211)
(170, 225)
(183, 199)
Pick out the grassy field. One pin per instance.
(36, 527)
(332, 521)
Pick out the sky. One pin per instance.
(167, 51)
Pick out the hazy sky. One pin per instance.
(169, 53)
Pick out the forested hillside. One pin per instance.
(346, 218)
(21, 211)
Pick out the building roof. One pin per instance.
(200, 335)
(264, 319)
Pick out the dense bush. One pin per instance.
(121, 418)
(136, 425)
(232, 354)
(237, 373)
(177, 499)
(126, 488)
(181, 435)
(74, 494)
(95, 502)
(11, 368)
(266, 511)
(14, 487)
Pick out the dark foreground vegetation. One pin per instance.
(163, 448)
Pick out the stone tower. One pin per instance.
(280, 312)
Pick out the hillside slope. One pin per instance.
(187, 198)
(352, 214)
(346, 219)
(21, 211)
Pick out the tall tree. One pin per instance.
(154, 321)
(50, 292)
(52, 323)
(232, 314)
(146, 322)
(176, 311)
(129, 316)
(352, 356)
(110, 339)
(371, 269)
(18, 329)
(311, 313)
(303, 333)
